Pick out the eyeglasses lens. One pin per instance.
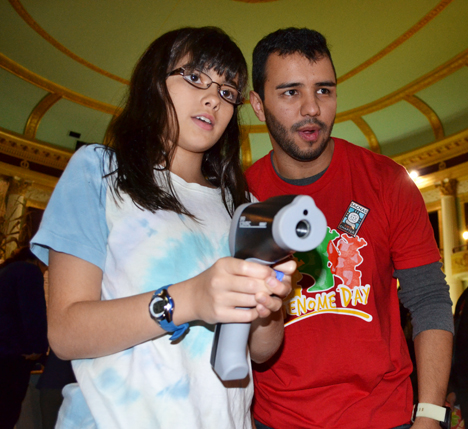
(201, 80)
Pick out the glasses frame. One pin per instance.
(181, 71)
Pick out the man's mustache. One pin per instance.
(308, 121)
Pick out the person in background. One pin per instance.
(344, 362)
(458, 386)
(23, 329)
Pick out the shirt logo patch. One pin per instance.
(353, 218)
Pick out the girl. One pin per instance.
(146, 223)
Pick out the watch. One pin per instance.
(442, 414)
(161, 308)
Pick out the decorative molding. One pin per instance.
(403, 38)
(21, 147)
(32, 176)
(460, 264)
(417, 85)
(37, 197)
(21, 11)
(368, 133)
(454, 145)
(447, 187)
(431, 116)
(49, 86)
(38, 113)
(18, 186)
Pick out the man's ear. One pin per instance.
(257, 105)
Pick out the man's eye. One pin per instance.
(323, 91)
(290, 92)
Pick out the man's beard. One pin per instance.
(285, 138)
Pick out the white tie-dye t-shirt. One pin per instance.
(157, 384)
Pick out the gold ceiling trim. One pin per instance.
(417, 85)
(369, 134)
(427, 111)
(49, 86)
(21, 147)
(246, 149)
(38, 113)
(433, 153)
(403, 38)
(21, 11)
(48, 182)
(255, 129)
(430, 181)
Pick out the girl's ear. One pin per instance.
(257, 105)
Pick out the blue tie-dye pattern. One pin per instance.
(145, 224)
(185, 258)
(197, 341)
(179, 390)
(74, 411)
(111, 382)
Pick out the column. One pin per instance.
(14, 215)
(448, 190)
(4, 185)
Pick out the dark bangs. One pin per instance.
(210, 49)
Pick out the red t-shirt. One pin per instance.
(344, 362)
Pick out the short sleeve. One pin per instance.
(412, 241)
(74, 221)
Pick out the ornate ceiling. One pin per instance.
(402, 68)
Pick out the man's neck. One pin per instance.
(292, 169)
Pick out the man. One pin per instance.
(344, 362)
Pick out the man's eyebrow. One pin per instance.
(289, 85)
(285, 85)
(326, 83)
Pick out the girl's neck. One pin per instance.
(188, 167)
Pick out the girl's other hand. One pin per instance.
(231, 291)
(273, 301)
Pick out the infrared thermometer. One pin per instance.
(265, 232)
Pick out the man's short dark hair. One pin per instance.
(309, 43)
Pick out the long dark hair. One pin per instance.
(142, 135)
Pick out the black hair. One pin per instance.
(309, 43)
(143, 136)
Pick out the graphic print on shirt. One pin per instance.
(329, 281)
(353, 218)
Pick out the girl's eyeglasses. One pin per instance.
(201, 80)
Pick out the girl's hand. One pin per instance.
(272, 302)
(231, 291)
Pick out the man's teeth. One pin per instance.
(202, 118)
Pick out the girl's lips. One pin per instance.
(204, 124)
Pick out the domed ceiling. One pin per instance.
(402, 68)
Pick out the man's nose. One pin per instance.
(310, 106)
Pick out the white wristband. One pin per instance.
(432, 411)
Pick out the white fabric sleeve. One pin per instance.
(74, 221)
